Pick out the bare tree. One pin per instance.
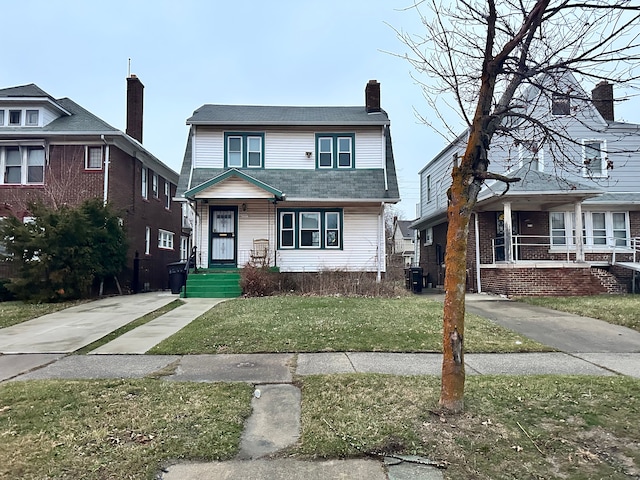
(483, 57)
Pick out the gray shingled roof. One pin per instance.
(535, 181)
(80, 120)
(29, 90)
(356, 184)
(283, 115)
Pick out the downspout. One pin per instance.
(381, 242)
(477, 238)
(105, 193)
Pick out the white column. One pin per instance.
(578, 238)
(508, 233)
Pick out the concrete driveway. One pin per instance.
(73, 328)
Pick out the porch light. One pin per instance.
(308, 154)
(244, 207)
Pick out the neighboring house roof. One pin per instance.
(282, 115)
(554, 189)
(77, 121)
(29, 90)
(404, 226)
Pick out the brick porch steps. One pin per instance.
(213, 284)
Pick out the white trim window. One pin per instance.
(22, 165)
(594, 158)
(167, 195)
(165, 240)
(1, 117)
(154, 184)
(93, 158)
(147, 240)
(32, 118)
(15, 118)
(332, 230)
(310, 229)
(144, 183)
(345, 149)
(254, 152)
(601, 230)
(531, 154)
(287, 230)
(234, 151)
(325, 152)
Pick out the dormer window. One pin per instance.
(1, 118)
(244, 150)
(32, 118)
(560, 104)
(15, 117)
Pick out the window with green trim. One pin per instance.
(244, 150)
(310, 228)
(335, 150)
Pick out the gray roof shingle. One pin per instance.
(284, 115)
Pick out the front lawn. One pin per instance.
(322, 324)
(621, 310)
(116, 429)
(514, 427)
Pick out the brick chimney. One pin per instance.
(135, 96)
(372, 96)
(602, 97)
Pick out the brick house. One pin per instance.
(523, 241)
(299, 188)
(55, 151)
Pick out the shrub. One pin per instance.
(61, 252)
(258, 281)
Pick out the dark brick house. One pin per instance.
(55, 151)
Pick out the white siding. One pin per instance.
(360, 253)
(208, 148)
(234, 187)
(48, 116)
(286, 148)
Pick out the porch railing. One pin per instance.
(545, 248)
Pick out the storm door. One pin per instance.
(223, 236)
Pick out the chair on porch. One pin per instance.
(260, 252)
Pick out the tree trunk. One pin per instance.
(453, 374)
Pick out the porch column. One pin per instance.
(578, 238)
(508, 233)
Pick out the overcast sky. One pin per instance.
(191, 52)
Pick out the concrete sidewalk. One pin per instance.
(586, 347)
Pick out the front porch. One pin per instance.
(537, 266)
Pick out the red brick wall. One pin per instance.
(125, 180)
(540, 281)
(67, 182)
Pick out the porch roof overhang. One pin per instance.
(536, 191)
(534, 201)
(192, 193)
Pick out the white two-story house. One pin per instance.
(584, 178)
(298, 188)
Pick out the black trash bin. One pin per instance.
(416, 279)
(177, 276)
